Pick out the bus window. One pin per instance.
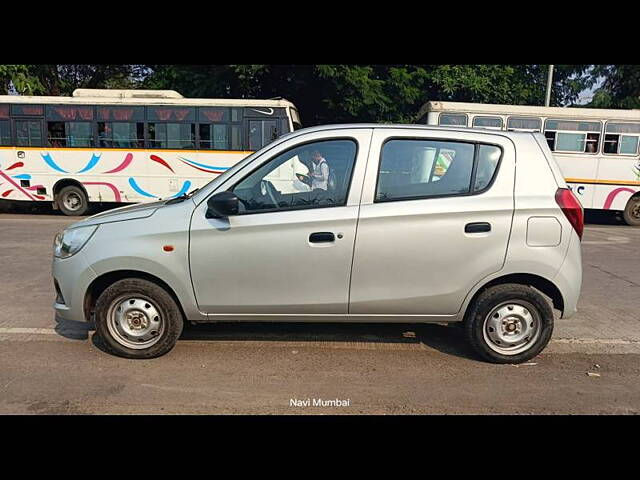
(5, 133)
(453, 119)
(572, 136)
(172, 135)
(236, 137)
(487, 122)
(28, 133)
(69, 134)
(121, 134)
(524, 124)
(617, 143)
(214, 136)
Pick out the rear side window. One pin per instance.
(412, 169)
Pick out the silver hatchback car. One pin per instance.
(341, 223)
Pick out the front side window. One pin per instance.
(120, 135)
(453, 119)
(412, 169)
(172, 135)
(28, 133)
(309, 176)
(5, 133)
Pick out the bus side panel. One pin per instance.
(579, 171)
(613, 197)
(432, 118)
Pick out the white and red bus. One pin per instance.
(127, 146)
(596, 149)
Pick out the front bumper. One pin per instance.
(73, 276)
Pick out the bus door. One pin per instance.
(263, 125)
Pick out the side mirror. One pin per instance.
(222, 204)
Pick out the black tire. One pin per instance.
(69, 197)
(498, 297)
(168, 310)
(631, 212)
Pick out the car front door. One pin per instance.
(435, 219)
(289, 249)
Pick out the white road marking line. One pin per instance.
(597, 341)
(334, 344)
(19, 330)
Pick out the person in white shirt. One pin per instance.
(320, 172)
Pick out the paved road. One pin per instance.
(59, 367)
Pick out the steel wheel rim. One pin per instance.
(135, 321)
(72, 201)
(635, 210)
(512, 327)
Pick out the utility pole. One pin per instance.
(549, 83)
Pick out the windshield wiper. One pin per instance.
(182, 197)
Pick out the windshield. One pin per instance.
(205, 190)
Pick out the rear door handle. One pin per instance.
(477, 227)
(322, 237)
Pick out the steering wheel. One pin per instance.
(267, 188)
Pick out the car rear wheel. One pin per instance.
(509, 323)
(137, 318)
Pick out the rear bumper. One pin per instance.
(569, 277)
(73, 276)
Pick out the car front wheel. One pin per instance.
(509, 323)
(137, 318)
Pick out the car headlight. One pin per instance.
(69, 242)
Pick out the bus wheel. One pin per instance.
(632, 212)
(72, 201)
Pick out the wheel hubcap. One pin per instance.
(135, 322)
(72, 201)
(635, 210)
(512, 327)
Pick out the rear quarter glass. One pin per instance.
(551, 161)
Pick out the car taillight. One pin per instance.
(572, 209)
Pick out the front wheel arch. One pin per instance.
(100, 284)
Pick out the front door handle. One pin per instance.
(322, 237)
(477, 227)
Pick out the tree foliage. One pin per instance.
(339, 93)
(372, 93)
(620, 87)
(64, 79)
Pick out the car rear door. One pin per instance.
(435, 219)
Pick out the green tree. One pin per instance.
(19, 78)
(372, 93)
(64, 79)
(620, 87)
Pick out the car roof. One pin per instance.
(422, 127)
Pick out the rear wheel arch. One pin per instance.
(542, 284)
